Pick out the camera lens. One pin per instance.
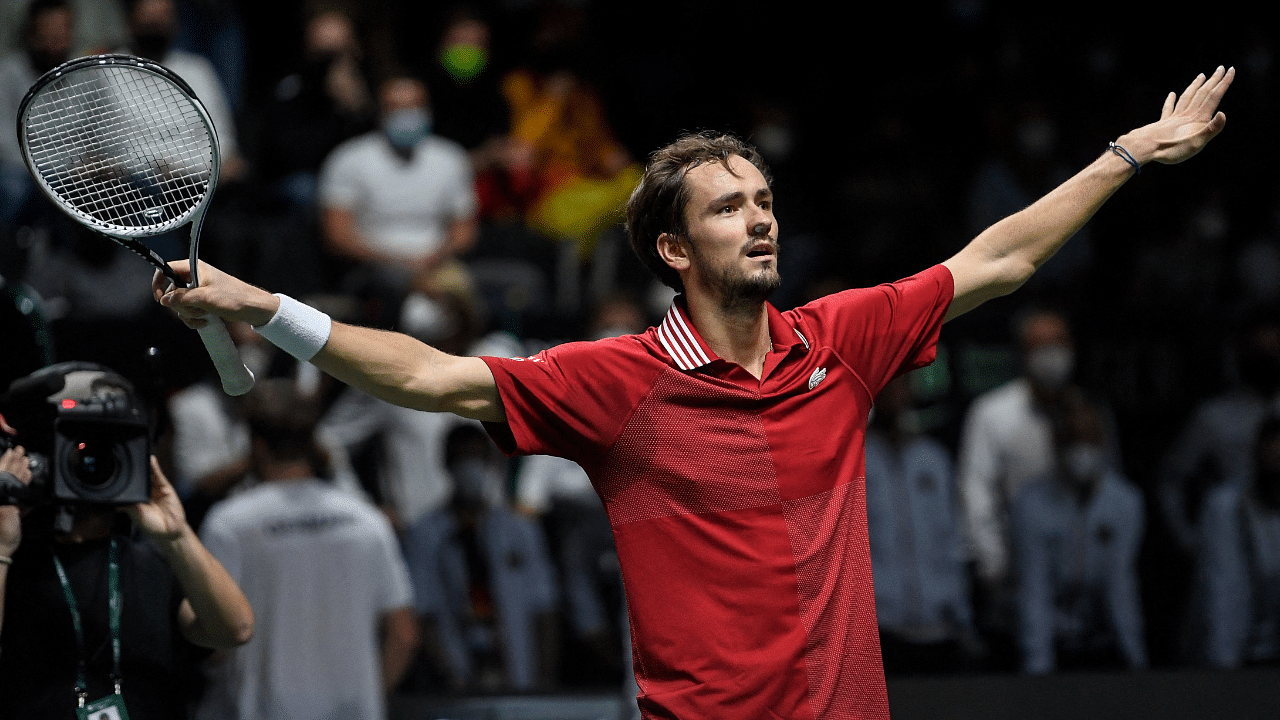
(93, 463)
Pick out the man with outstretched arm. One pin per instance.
(726, 443)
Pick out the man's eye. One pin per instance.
(726, 209)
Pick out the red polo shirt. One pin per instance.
(738, 505)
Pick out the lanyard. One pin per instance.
(113, 604)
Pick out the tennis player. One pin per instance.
(727, 443)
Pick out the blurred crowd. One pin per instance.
(1089, 476)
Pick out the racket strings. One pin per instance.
(123, 147)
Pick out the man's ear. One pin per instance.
(673, 252)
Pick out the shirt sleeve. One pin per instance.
(339, 183)
(977, 482)
(570, 401)
(886, 330)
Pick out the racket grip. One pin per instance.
(236, 378)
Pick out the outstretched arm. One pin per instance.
(390, 366)
(1004, 256)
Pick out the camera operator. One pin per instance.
(106, 616)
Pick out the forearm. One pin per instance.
(1005, 255)
(221, 615)
(407, 372)
(461, 236)
(400, 641)
(342, 237)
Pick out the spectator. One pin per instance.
(153, 26)
(917, 550)
(323, 101)
(330, 644)
(1239, 563)
(1006, 440)
(215, 30)
(47, 40)
(470, 107)
(583, 173)
(400, 203)
(1216, 445)
(99, 25)
(1077, 532)
(174, 599)
(484, 582)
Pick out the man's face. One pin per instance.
(50, 40)
(402, 94)
(732, 234)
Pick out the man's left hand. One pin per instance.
(163, 517)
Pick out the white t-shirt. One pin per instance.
(401, 208)
(320, 568)
(198, 72)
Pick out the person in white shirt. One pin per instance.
(1007, 440)
(399, 203)
(323, 571)
(153, 26)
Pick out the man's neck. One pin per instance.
(286, 470)
(738, 333)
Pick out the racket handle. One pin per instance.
(236, 378)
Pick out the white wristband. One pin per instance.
(297, 329)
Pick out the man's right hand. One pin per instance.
(219, 293)
(14, 462)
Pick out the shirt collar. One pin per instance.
(685, 346)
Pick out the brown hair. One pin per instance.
(285, 419)
(658, 203)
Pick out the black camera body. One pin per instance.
(87, 436)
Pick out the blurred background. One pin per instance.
(512, 131)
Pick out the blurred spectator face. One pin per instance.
(405, 119)
(154, 23)
(464, 49)
(330, 35)
(1047, 351)
(1082, 447)
(49, 38)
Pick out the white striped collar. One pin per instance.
(686, 348)
(681, 341)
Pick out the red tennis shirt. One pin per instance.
(738, 505)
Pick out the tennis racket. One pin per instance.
(122, 145)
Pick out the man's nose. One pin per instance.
(760, 224)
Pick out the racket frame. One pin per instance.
(236, 381)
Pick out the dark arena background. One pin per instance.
(895, 132)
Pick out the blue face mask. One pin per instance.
(406, 128)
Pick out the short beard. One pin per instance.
(744, 292)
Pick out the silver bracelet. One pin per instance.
(297, 328)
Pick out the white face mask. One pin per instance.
(1050, 366)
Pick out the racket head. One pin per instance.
(121, 144)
